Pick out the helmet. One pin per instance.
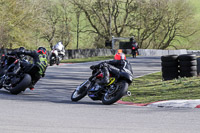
(119, 55)
(42, 50)
(21, 49)
(131, 39)
(119, 50)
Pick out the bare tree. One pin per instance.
(63, 33)
(107, 17)
(51, 19)
(162, 22)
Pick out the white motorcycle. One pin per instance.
(54, 58)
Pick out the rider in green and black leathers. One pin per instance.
(39, 61)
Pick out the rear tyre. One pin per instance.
(22, 85)
(113, 96)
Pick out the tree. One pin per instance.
(106, 17)
(57, 23)
(15, 20)
(163, 22)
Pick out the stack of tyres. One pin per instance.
(198, 66)
(169, 67)
(188, 65)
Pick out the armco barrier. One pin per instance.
(83, 53)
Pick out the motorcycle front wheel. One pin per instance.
(52, 60)
(58, 61)
(114, 94)
(134, 54)
(79, 94)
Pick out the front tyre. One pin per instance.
(52, 60)
(22, 85)
(116, 93)
(134, 54)
(78, 94)
(57, 61)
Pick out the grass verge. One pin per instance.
(151, 88)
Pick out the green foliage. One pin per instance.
(87, 24)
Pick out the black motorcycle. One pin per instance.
(108, 94)
(54, 58)
(134, 52)
(17, 76)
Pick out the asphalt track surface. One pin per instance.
(48, 108)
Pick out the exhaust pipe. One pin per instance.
(128, 93)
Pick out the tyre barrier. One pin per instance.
(169, 66)
(198, 66)
(174, 66)
(187, 65)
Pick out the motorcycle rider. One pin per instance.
(39, 61)
(134, 45)
(113, 67)
(61, 50)
(22, 56)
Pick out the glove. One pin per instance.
(92, 67)
(12, 53)
(95, 66)
(43, 74)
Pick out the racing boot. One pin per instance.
(105, 79)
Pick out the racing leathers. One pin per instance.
(113, 67)
(40, 64)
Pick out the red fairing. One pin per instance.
(16, 61)
(99, 76)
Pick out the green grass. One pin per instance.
(151, 88)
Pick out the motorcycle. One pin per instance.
(108, 94)
(17, 77)
(134, 52)
(54, 58)
(3, 65)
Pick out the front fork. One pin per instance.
(86, 83)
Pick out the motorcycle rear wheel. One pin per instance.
(113, 96)
(22, 85)
(76, 96)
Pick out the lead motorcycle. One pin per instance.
(17, 77)
(109, 94)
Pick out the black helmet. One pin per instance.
(21, 49)
(42, 50)
(131, 39)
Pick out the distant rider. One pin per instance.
(60, 48)
(134, 45)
